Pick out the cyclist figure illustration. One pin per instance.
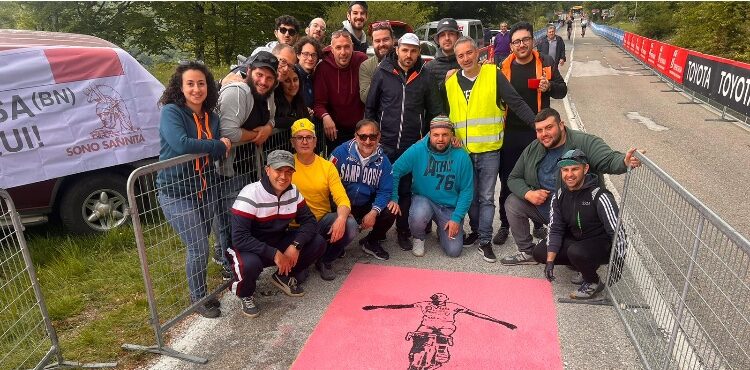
(432, 338)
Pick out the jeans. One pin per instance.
(333, 250)
(519, 212)
(191, 220)
(229, 188)
(482, 210)
(422, 211)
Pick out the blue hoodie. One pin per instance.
(445, 178)
(364, 182)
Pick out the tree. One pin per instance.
(412, 12)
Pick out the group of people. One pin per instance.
(408, 142)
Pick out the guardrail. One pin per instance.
(683, 288)
(27, 337)
(719, 82)
(172, 224)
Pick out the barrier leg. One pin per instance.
(723, 117)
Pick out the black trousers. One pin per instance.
(248, 266)
(383, 221)
(513, 145)
(584, 255)
(342, 136)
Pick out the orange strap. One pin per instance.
(545, 72)
(202, 129)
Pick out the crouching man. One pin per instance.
(261, 236)
(583, 219)
(442, 187)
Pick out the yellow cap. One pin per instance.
(303, 124)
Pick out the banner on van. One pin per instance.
(66, 110)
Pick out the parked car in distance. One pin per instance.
(93, 110)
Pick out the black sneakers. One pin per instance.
(249, 307)
(502, 236)
(485, 249)
(374, 249)
(287, 284)
(226, 273)
(471, 239)
(404, 240)
(218, 256)
(326, 270)
(210, 309)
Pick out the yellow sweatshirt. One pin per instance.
(318, 182)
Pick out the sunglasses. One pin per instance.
(364, 137)
(290, 31)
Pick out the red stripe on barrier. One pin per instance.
(78, 64)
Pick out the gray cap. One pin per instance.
(446, 24)
(280, 158)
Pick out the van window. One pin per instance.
(474, 32)
(420, 32)
(431, 33)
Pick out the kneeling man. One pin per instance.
(582, 224)
(261, 236)
(442, 187)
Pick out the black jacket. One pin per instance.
(587, 213)
(558, 54)
(287, 113)
(402, 105)
(438, 67)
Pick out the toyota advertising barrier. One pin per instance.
(65, 110)
(725, 81)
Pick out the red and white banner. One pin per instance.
(65, 110)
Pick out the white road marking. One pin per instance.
(648, 122)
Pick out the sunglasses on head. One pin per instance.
(290, 31)
(185, 62)
(383, 25)
(364, 137)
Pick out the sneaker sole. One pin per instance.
(373, 254)
(284, 289)
(250, 314)
(593, 295)
(490, 260)
(417, 255)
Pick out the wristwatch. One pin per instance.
(297, 245)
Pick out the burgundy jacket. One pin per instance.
(337, 91)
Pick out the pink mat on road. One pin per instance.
(349, 337)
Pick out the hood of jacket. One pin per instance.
(348, 27)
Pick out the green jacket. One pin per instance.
(366, 71)
(602, 159)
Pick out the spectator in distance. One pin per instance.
(553, 45)
(502, 44)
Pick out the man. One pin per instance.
(569, 26)
(476, 97)
(317, 29)
(286, 30)
(366, 174)
(445, 60)
(287, 60)
(318, 181)
(553, 46)
(382, 44)
(536, 78)
(261, 236)
(246, 112)
(336, 89)
(356, 17)
(442, 187)
(582, 225)
(502, 44)
(535, 176)
(400, 95)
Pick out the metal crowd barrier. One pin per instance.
(616, 35)
(27, 337)
(161, 249)
(683, 292)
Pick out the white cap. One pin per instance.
(409, 39)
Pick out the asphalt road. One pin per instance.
(614, 99)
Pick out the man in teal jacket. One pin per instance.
(536, 176)
(442, 187)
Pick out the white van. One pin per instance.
(468, 27)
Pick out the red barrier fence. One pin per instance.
(723, 80)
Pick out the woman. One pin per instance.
(290, 105)
(309, 52)
(188, 125)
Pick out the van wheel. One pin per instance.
(96, 203)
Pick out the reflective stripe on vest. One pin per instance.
(545, 72)
(479, 123)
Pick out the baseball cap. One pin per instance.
(572, 157)
(280, 158)
(409, 39)
(446, 24)
(263, 59)
(303, 124)
(441, 121)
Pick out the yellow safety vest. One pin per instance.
(479, 123)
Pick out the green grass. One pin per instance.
(95, 293)
(625, 26)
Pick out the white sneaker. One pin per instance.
(418, 248)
